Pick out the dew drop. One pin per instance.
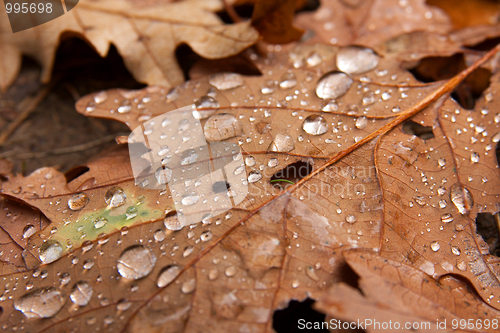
(230, 271)
(163, 175)
(81, 293)
(50, 251)
(333, 85)
(115, 197)
(461, 265)
(442, 204)
(455, 250)
(187, 251)
(226, 81)
(268, 87)
(189, 156)
(496, 138)
(213, 274)
(356, 60)
(250, 161)
(295, 283)
(419, 200)
(273, 162)
(474, 157)
(361, 122)
(288, 80)
(188, 286)
(441, 162)
(315, 125)
(205, 102)
(78, 201)
(159, 235)
(136, 262)
(310, 272)
(190, 199)
(100, 97)
(168, 275)
(435, 246)
(131, 212)
(100, 222)
(40, 303)
(206, 236)
(282, 143)
(28, 231)
(254, 176)
(350, 218)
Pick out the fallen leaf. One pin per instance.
(273, 19)
(145, 36)
(119, 251)
(400, 294)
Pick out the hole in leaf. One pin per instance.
(186, 58)
(220, 187)
(78, 62)
(75, 172)
(244, 11)
(433, 69)
(485, 45)
(487, 226)
(291, 174)
(287, 320)
(412, 128)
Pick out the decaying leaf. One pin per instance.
(145, 34)
(116, 256)
(400, 294)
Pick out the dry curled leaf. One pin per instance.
(145, 36)
(129, 264)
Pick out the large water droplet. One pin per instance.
(189, 156)
(226, 81)
(350, 218)
(40, 303)
(254, 176)
(315, 125)
(282, 143)
(190, 199)
(435, 246)
(100, 97)
(288, 80)
(446, 218)
(28, 231)
(163, 175)
(333, 85)
(250, 161)
(81, 293)
(168, 275)
(455, 250)
(78, 201)
(100, 222)
(136, 262)
(496, 137)
(474, 157)
(188, 286)
(205, 102)
(361, 122)
(115, 197)
(50, 251)
(273, 162)
(231, 271)
(221, 127)
(461, 198)
(356, 60)
(206, 236)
